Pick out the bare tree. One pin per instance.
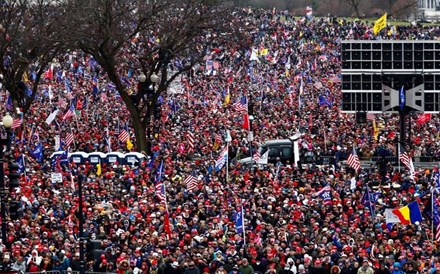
(355, 4)
(148, 36)
(28, 42)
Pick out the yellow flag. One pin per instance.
(25, 77)
(375, 130)
(129, 144)
(98, 170)
(264, 52)
(380, 24)
(227, 99)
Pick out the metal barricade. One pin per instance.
(45, 272)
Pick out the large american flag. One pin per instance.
(436, 217)
(123, 135)
(190, 140)
(16, 123)
(353, 160)
(158, 184)
(69, 139)
(406, 160)
(70, 112)
(241, 105)
(191, 182)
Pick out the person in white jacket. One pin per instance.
(291, 264)
(34, 258)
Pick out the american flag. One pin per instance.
(191, 182)
(16, 123)
(123, 135)
(70, 112)
(256, 156)
(353, 161)
(190, 139)
(158, 184)
(69, 139)
(436, 217)
(406, 160)
(241, 105)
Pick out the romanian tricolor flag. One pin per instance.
(409, 214)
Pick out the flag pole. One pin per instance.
(30, 135)
(432, 210)
(24, 165)
(250, 137)
(73, 136)
(370, 201)
(244, 229)
(398, 156)
(227, 162)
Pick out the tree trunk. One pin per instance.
(356, 10)
(141, 137)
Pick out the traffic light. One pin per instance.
(15, 210)
(13, 175)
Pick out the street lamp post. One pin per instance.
(151, 106)
(4, 143)
(82, 263)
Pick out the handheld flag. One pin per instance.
(409, 214)
(239, 221)
(129, 145)
(98, 169)
(37, 153)
(263, 159)
(407, 161)
(246, 125)
(222, 159)
(70, 112)
(368, 201)
(241, 104)
(191, 182)
(380, 24)
(353, 161)
(159, 186)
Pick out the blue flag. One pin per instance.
(368, 200)
(37, 153)
(324, 101)
(68, 85)
(9, 105)
(151, 163)
(239, 221)
(159, 173)
(21, 164)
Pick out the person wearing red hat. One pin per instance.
(317, 268)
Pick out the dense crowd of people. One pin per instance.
(287, 227)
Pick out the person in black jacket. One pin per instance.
(173, 268)
(383, 269)
(347, 268)
(317, 268)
